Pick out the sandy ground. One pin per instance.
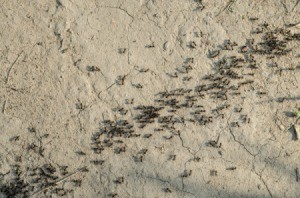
(149, 98)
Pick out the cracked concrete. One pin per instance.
(127, 95)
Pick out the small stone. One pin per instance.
(281, 127)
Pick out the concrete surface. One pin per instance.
(148, 98)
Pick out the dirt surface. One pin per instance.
(148, 98)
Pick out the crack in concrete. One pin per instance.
(128, 29)
(240, 143)
(7, 80)
(262, 180)
(182, 143)
(284, 6)
(118, 8)
(185, 164)
(169, 183)
(117, 186)
(295, 5)
(235, 139)
(15, 61)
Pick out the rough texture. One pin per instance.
(149, 98)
